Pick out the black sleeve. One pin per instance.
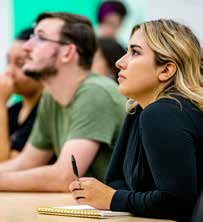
(168, 141)
(114, 175)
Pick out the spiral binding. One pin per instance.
(69, 212)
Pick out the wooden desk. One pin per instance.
(21, 207)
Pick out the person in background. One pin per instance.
(80, 112)
(109, 51)
(17, 120)
(156, 168)
(110, 16)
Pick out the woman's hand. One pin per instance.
(6, 88)
(92, 192)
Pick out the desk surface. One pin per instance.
(15, 207)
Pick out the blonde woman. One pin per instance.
(156, 167)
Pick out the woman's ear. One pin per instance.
(68, 52)
(168, 70)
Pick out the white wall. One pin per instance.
(5, 30)
(189, 12)
(136, 14)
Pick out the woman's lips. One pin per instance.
(121, 77)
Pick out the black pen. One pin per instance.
(75, 169)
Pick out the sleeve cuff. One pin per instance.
(119, 201)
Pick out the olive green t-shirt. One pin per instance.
(96, 112)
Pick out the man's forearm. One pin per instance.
(15, 164)
(4, 133)
(46, 178)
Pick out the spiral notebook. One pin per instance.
(80, 211)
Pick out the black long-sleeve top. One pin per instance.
(19, 133)
(157, 163)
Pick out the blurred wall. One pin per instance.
(136, 14)
(30, 9)
(18, 14)
(189, 12)
(6, 29)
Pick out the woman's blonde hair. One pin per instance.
(201, 66)
(176, 43)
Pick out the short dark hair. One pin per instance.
(111, 6)
(112, 51)
(24, 34)
(78, 30)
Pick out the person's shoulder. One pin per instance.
(100, 81)
(100, 87)
(177, 103)
(163, 108)
(163, 114)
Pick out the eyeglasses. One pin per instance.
(38, 38)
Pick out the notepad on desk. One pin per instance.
(80, 211)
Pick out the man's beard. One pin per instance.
(45, 72)
(42, 74)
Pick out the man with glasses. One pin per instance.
(80, 112)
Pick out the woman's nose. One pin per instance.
(121, 63)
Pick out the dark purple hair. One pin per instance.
(111, 6)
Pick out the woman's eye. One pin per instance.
(134, 52)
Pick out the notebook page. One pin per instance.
(103, 213)
(77, 207)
